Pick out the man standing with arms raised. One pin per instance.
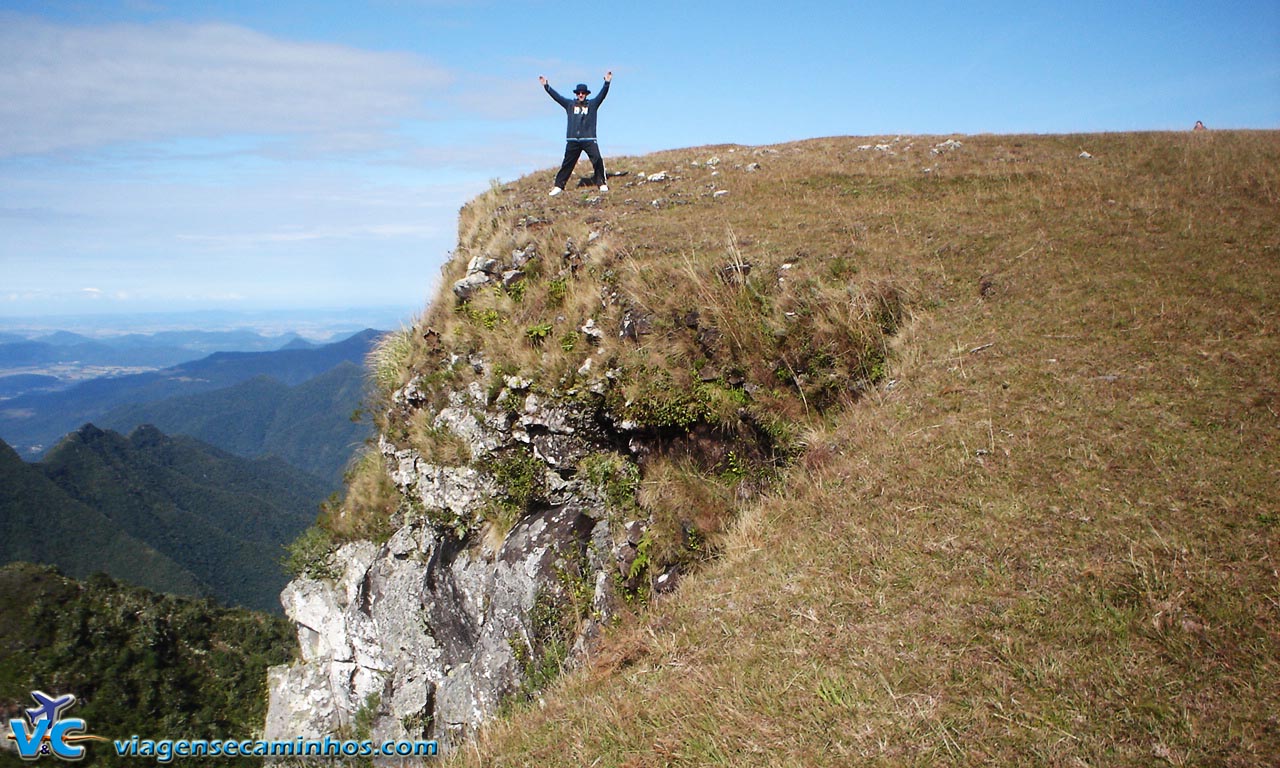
(581, 134)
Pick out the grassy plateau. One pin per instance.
(1006, 485)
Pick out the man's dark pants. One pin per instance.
(573, 149)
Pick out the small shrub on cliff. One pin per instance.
(616, 478)
(537, 333)
(522, 480)
(308, 555)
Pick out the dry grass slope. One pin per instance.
(717, 352)
(1049, 535)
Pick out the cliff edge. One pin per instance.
(954, 449)
(601, 383)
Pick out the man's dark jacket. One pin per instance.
(582, 117)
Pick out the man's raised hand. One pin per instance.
(542, 80)
(608, 76)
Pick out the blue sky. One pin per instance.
(178, 156)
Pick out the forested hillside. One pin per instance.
(169, 513)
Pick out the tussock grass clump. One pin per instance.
(688, 509)
(390, 365)
(437, 445)
(389, 362)
(366, 510)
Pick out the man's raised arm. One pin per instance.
(562, 101)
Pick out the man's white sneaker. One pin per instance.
(554, 191)
(604, 187)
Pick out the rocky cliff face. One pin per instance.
(571, 351)
(426, 634)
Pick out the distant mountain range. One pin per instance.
(168, 513)
(32, 422)
(154, 350)
(237, 452)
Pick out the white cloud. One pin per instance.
(77, 87)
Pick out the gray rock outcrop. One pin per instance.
(425, 635)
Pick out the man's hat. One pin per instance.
(582, 88)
